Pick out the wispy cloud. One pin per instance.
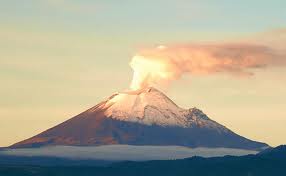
(275, 38)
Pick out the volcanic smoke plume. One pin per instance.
(166, 63)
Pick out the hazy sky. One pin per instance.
(60, 57)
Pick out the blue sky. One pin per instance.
(181, 15)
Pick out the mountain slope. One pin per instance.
(143, 117)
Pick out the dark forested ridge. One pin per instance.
(269, 162)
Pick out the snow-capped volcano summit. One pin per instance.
(151, 107)
(147, 106)
(142, 117)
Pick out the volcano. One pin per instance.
(142, 117)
